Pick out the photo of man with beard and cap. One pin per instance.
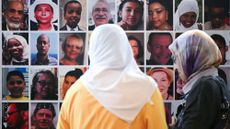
(43, 115)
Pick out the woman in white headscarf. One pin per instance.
(197, 58)
(16, 50)
(187, 15)
(113, 93)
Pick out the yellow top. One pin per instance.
(80, 110)
(20, 98)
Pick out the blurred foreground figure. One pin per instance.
(113, 93)
(197, 58)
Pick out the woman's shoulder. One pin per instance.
(76, 88)
(208, 84)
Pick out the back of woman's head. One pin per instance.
(195, 51)
(109, 46)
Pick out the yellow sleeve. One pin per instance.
(155, 111)
(152, 115)
(68, 112)
(63, 122)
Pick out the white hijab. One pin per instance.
(113, 77)
(22, 40)
(184, 7)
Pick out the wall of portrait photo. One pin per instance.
(44, 47)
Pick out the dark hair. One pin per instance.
(167, 5)
(40, 4)
(75, 73)
(140, 3)
(162, 2)
(154, 34)
(70, 2)
(140, 47)
(19, 106)
(15, 73)
(215, 3)
(52, 91)
(217, 37)
(48, 106)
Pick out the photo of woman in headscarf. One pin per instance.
(187, 15)
(15, 50)
(43, 15)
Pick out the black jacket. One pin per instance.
(202, 104)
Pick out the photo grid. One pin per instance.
(44, 47)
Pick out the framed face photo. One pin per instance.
(14, 15)
(188, 15)
(44, 49)
(44, 83)
(44, 15)
(160, 15)
(44, 111)
(15, 84)
(15, 115)
(15, 49)
(100, 12)
(222, 40)
(126, 18)
(164, 78)
(136, 40)
(68, 76)
(157, 52)
(72, 48)
(73, 15)
(216, 15)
